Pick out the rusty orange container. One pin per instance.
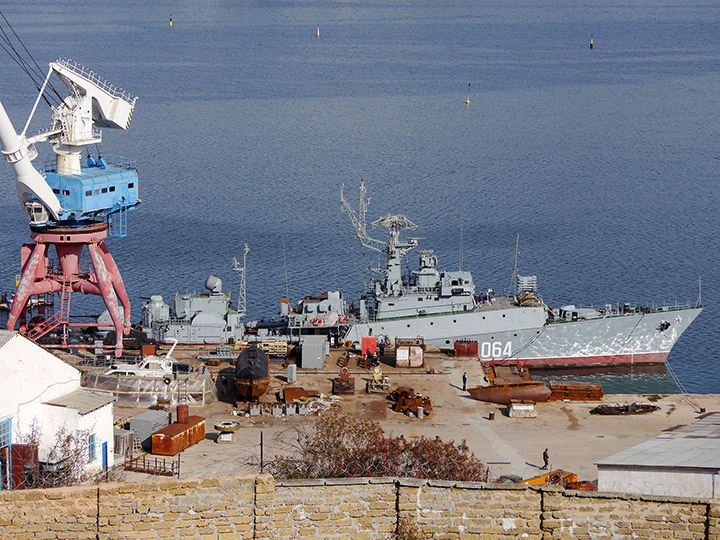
(176, 437)
(183, 411)
(466, 348)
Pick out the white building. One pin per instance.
(684, 462)
(38, 387)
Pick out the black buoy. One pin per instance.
(591, 41)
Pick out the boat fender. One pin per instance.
(342, 318)
(317, 321)
(167, 380)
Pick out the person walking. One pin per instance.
(464, 380)
(546, 460)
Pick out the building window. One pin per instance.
(112, 188)
(91, 448)
(5, 433)
(88, 193)
(104, 190)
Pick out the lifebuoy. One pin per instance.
(317, 321)
(167, 380)
(344, 371)
(342, 318)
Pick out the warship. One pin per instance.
(443, 307)
(196, 318)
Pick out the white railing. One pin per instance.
(96, 79)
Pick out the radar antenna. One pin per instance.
(241, 271)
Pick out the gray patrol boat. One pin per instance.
(443, 307)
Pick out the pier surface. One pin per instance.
(575, 438)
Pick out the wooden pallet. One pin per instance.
(274, 347)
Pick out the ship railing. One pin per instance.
(100, 82)
(626, 308)
(50, 165)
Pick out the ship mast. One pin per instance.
(241, 271)
(394, 249)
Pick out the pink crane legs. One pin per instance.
(38, 278)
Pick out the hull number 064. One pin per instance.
(489, 349)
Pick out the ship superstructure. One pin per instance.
(199, 318)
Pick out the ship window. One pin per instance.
(408, 326)
(88, 193)
(56, 191)
(112, 188)
(391, 304)
(503, 314)
(483, 317)
(104, 190)
(66, 192)
(514, 335)
(447, 342)
(131, 185)
(454, 320)
(431, 323)
(420, 299)
(97, 192)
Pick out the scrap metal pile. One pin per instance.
(408, 402)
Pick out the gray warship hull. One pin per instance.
(524, 334)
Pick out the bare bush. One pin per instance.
(342, 446)
(66, 459)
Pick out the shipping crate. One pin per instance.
(177, 437)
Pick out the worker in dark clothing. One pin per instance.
(546, 460)
(381, 347)
(464, 380)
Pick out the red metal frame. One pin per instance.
(38, 278)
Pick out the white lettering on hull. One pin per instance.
(495, 349)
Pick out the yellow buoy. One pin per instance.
(170, 21)
(467, 101)
(591, 41)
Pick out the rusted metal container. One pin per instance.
(183, 412)
(148, 350)
(466, 348)
(177, 437)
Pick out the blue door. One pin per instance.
(104, 456)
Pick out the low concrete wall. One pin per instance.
(361, 509)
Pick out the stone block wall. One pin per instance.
(358, 509)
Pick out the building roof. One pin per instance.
(83, 400)
(694, 446)
(6, 335)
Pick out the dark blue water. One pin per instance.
(605, 162)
